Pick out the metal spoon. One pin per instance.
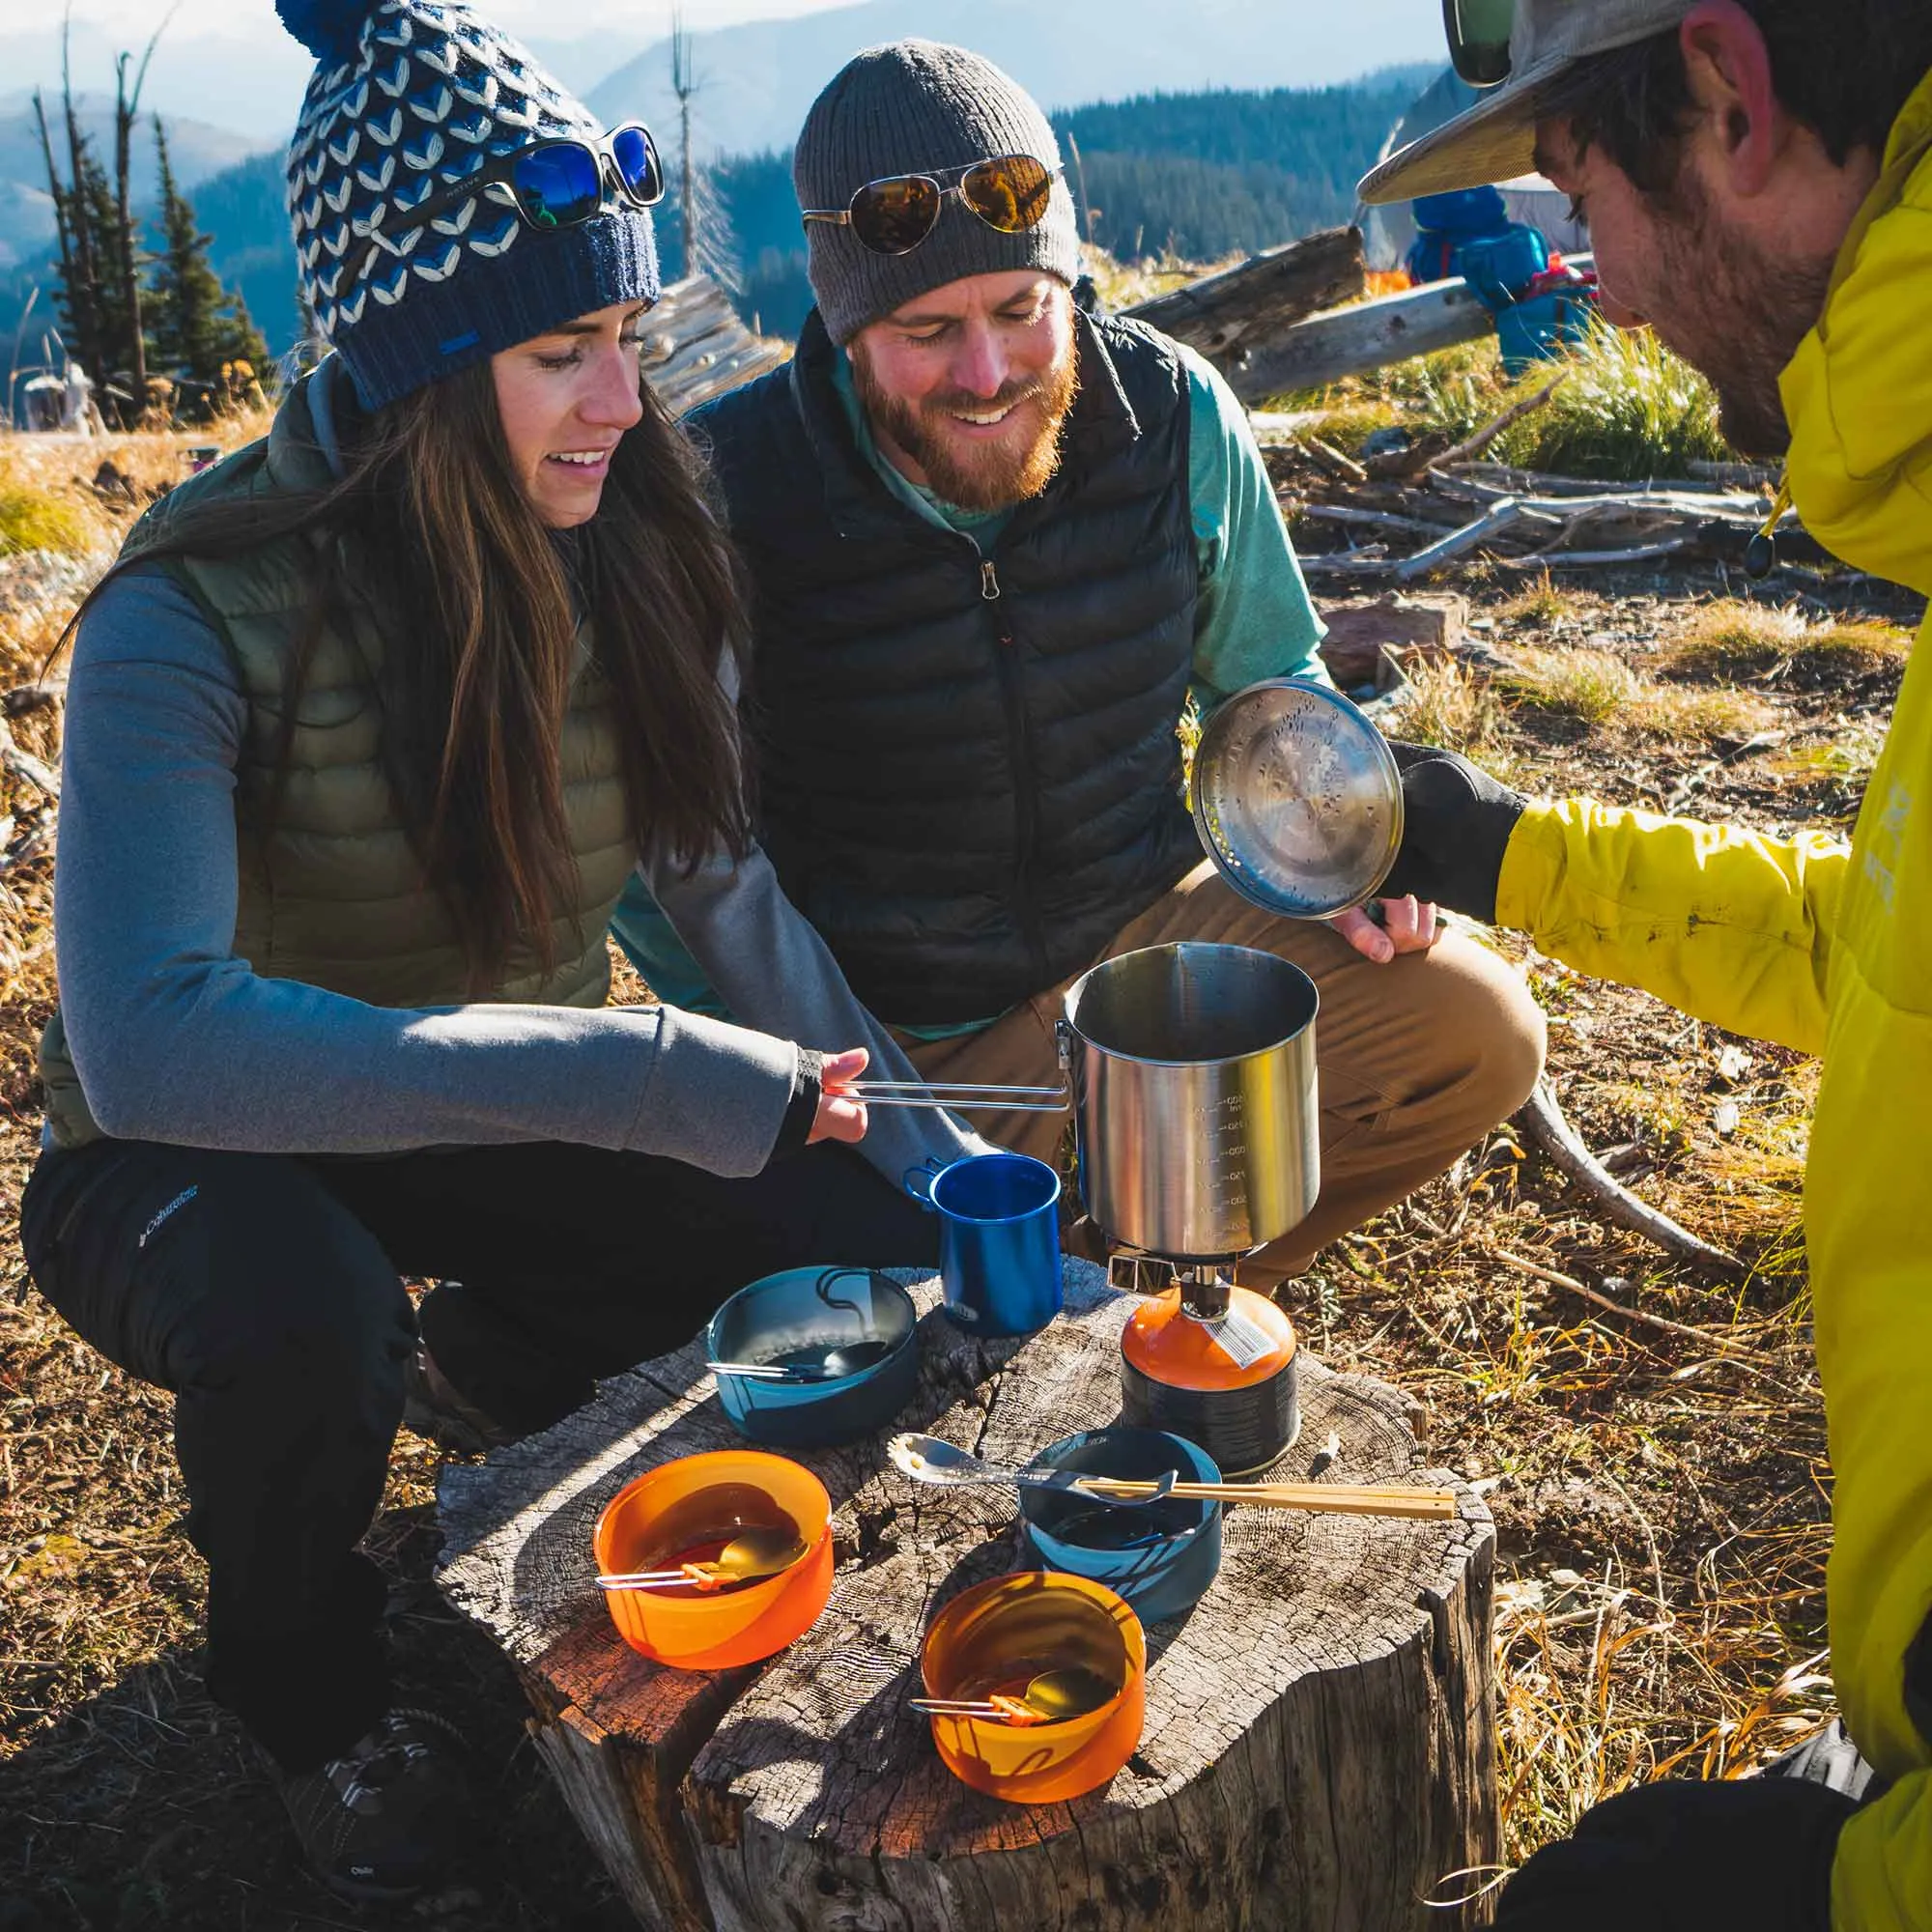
(750, 1555)
(835, 1365)
(929, 1459)
(1050, 1698)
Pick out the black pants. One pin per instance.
(264, 1292)
(1684, 1856)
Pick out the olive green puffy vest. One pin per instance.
(334, 895)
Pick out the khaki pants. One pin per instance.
(1417, 1058)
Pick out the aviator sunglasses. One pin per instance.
(551, 184)
(1479, 39)
(893, 216)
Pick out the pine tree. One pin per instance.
(200, 330)
(94, 193)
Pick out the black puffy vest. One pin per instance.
(969, 771)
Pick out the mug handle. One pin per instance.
(918, 1182)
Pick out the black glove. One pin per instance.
(1457, 822)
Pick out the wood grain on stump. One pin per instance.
(1319, 1747)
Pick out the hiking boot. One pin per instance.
(384, 1819)
(440, 1413)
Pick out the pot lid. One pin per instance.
(1297, 799)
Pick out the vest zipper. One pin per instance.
(1026, 790)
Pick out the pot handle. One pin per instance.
(1063, 1039)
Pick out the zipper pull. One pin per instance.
(989, 581)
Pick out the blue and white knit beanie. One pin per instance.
(410, 99)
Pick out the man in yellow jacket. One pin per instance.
(1757, 175)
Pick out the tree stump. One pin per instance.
(1319, 1745)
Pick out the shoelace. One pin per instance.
(359, 1774)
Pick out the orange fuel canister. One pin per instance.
(1217, 1364)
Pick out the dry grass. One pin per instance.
(1598, 688)
(1449, 704)
(1760, 642)
(1541, 603)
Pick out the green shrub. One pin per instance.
(32, 519)
(1627, 409)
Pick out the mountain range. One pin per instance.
(755, 81)
(230, 61)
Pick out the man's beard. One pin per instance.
(1738, 314)
(990, 475)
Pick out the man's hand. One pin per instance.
(1407, 925)
(839, 1117)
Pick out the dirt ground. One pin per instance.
(1660, 1491)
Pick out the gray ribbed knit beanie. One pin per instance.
(409, 99)
(914, 107)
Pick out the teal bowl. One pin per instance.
(803, 1313)
(1161, 1556)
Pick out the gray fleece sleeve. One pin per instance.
(177, 1040)
(771, 968)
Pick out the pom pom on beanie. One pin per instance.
(329, 29)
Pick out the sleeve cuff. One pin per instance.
(807, 1088)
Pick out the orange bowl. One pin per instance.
(686, 1512)
(995, 1639)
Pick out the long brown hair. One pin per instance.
(480, 604)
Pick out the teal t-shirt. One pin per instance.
(1253, 618)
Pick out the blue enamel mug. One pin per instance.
(999, 1240)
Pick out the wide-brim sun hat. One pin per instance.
(1495, 140)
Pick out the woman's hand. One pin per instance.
(1408, 925)
(839, 1118)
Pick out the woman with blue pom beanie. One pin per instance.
(367, 729)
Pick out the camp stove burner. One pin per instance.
(1213, 1362)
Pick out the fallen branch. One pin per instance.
(1594, 560)
(1467, 452)
(1333, 461)
(1542, 1120)
(24, 765)
(1727, 1349)
(1501, 516)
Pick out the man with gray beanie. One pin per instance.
(995, 543)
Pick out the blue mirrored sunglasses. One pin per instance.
(551, 184)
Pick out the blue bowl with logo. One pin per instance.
(798, 1319)
(1160, 1557)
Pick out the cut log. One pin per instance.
(1319, 1745)
(1369, 335)
(1230, 316)
(695, 348)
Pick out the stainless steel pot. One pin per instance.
(1194, 1097)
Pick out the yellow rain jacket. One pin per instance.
(1829, 951)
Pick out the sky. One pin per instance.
(232, 63)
